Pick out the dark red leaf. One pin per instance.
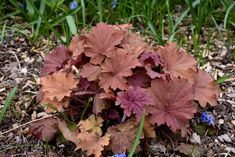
(134, 100)
(44, 129)
(55, 60)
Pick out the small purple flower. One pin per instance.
(73, 5)
(120, 155)
(207, 118)
(115, 2)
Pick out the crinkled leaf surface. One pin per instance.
(177, 62)
(134, 99)
(76, 47)
(102, 42)
(152, 63)
(89, 71)
(134, 44)
(70, 135)
(44, 129)
(205, 89)
(55, 105)
(93, 143)
(115, 69)
(98, 104)
(122, 136)
(173, 103)
(58, 85)
(139, 78)
(55, 60)
(93, 124)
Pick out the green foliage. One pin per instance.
(7, 103)
(154, 17)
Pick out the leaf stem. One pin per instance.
(87, 104)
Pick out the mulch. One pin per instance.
(20, 64)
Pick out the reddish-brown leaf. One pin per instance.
(70, 135)
(89, 71)
(115, 69)
(58, 85)
(98, 104)
(93, 125)
(55, 60)
(148, 129)
(76, 47)
(122, 136)
(44, 129)
(205, 89)
(102, 42)
(173, 103)
(139, 78)
(152, 64)
(92, 143)
(55, 105)
(123, 27)
(134, 44)
(177, 62)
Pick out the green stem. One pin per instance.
(137, 139)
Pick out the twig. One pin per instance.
(22, 125)
(17, 59)
(172, 144)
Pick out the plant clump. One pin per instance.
(109, 76)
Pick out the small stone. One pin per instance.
(34, 115)
(24, 71)
(224, 138)
(195, 138)
(221, 121)
(233, 122)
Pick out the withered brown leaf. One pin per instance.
(122, 136)
(44, 129)
(93, 125)
(93, 143)
(58, 85)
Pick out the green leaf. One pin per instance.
(72, 25)
(200, 129)
(222, 79)
(7, 103)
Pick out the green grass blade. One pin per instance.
(154, 30)
(100, 9)
(137, 139)
(3, 31)
(39, 21)
(72, 25)
(222, 79)
(170, 18)
(7, 103)
(83, 13)
(227, 13)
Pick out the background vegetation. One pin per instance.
(165, 20)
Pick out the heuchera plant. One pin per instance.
(124, 76)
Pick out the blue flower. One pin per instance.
(120, 155)
(207, 118)
(115, 2)
(73, 5)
